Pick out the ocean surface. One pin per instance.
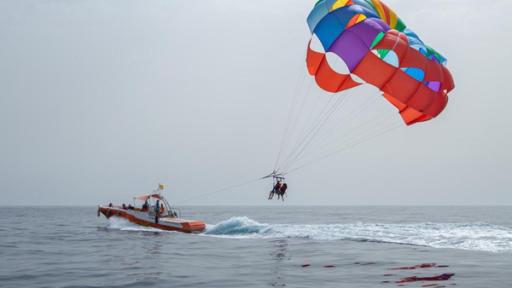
(261, 247)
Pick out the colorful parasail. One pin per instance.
(364, 41)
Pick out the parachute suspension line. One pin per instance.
(303, 133)
(314, 140)
(348, 117)
(371, 130)
(379, 131)
(367, 129)
(294, 117)
(306, 141)
(227, 188)
(327, 139)
(293, 103)
(296, 120)
(343, 149)
(368, 126)
(314, 106)
(297, 90)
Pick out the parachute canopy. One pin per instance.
(358, 41)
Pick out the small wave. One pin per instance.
(237, 226)
(467, 236)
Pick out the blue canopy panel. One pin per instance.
(324, 7)
(320, 10)
(334, 23)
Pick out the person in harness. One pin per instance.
(282, 191)
(275, 190)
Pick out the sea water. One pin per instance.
(260, 247)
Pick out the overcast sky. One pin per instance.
(102, 100)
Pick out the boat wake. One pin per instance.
(468, 236)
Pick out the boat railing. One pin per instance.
(170, 210)
(175, 210)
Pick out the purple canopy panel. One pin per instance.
(369, 29)
(356, 41)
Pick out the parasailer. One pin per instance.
(279, 187)
(275, 190)
(282, 191)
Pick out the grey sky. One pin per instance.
(101, 100)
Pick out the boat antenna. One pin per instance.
(159, 189)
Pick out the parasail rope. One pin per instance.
(227, 188)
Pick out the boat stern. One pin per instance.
(194, 226)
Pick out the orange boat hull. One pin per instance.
(143, 219)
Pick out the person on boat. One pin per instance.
(275, 190)
(282, 191)
(124, 206)
(145, 206)
(157, 211)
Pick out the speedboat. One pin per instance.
(155, 212)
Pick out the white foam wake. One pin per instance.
(468, 236)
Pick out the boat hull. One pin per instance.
(145, 219)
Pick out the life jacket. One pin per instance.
(283, 189)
